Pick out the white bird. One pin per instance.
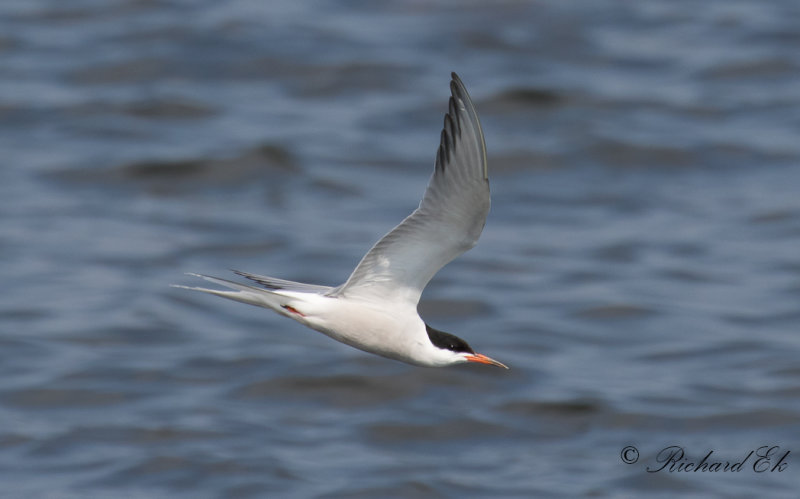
(376, 309)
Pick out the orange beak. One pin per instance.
(482, 359)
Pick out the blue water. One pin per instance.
(639, 270)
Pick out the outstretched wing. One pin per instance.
(448, 221)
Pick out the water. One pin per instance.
(639, 270)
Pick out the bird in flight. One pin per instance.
(375, 310)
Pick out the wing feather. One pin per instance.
(448, 221)
(274, 283)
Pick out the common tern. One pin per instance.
(375, 310)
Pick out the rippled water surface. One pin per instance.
(639, 271)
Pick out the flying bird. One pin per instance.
(375, 310)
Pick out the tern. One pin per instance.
(375, 310)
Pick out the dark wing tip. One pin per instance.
(461, 115)
(458, 89)
(258, 279)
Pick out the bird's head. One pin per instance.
(457, 350)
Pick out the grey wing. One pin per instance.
(448, 221)
(275, 284)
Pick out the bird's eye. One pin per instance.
(447, 341)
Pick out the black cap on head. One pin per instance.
(447, 341)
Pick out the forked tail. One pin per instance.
(243, 293)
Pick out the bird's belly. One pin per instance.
(386, 331)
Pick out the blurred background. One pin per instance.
(639, 270)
